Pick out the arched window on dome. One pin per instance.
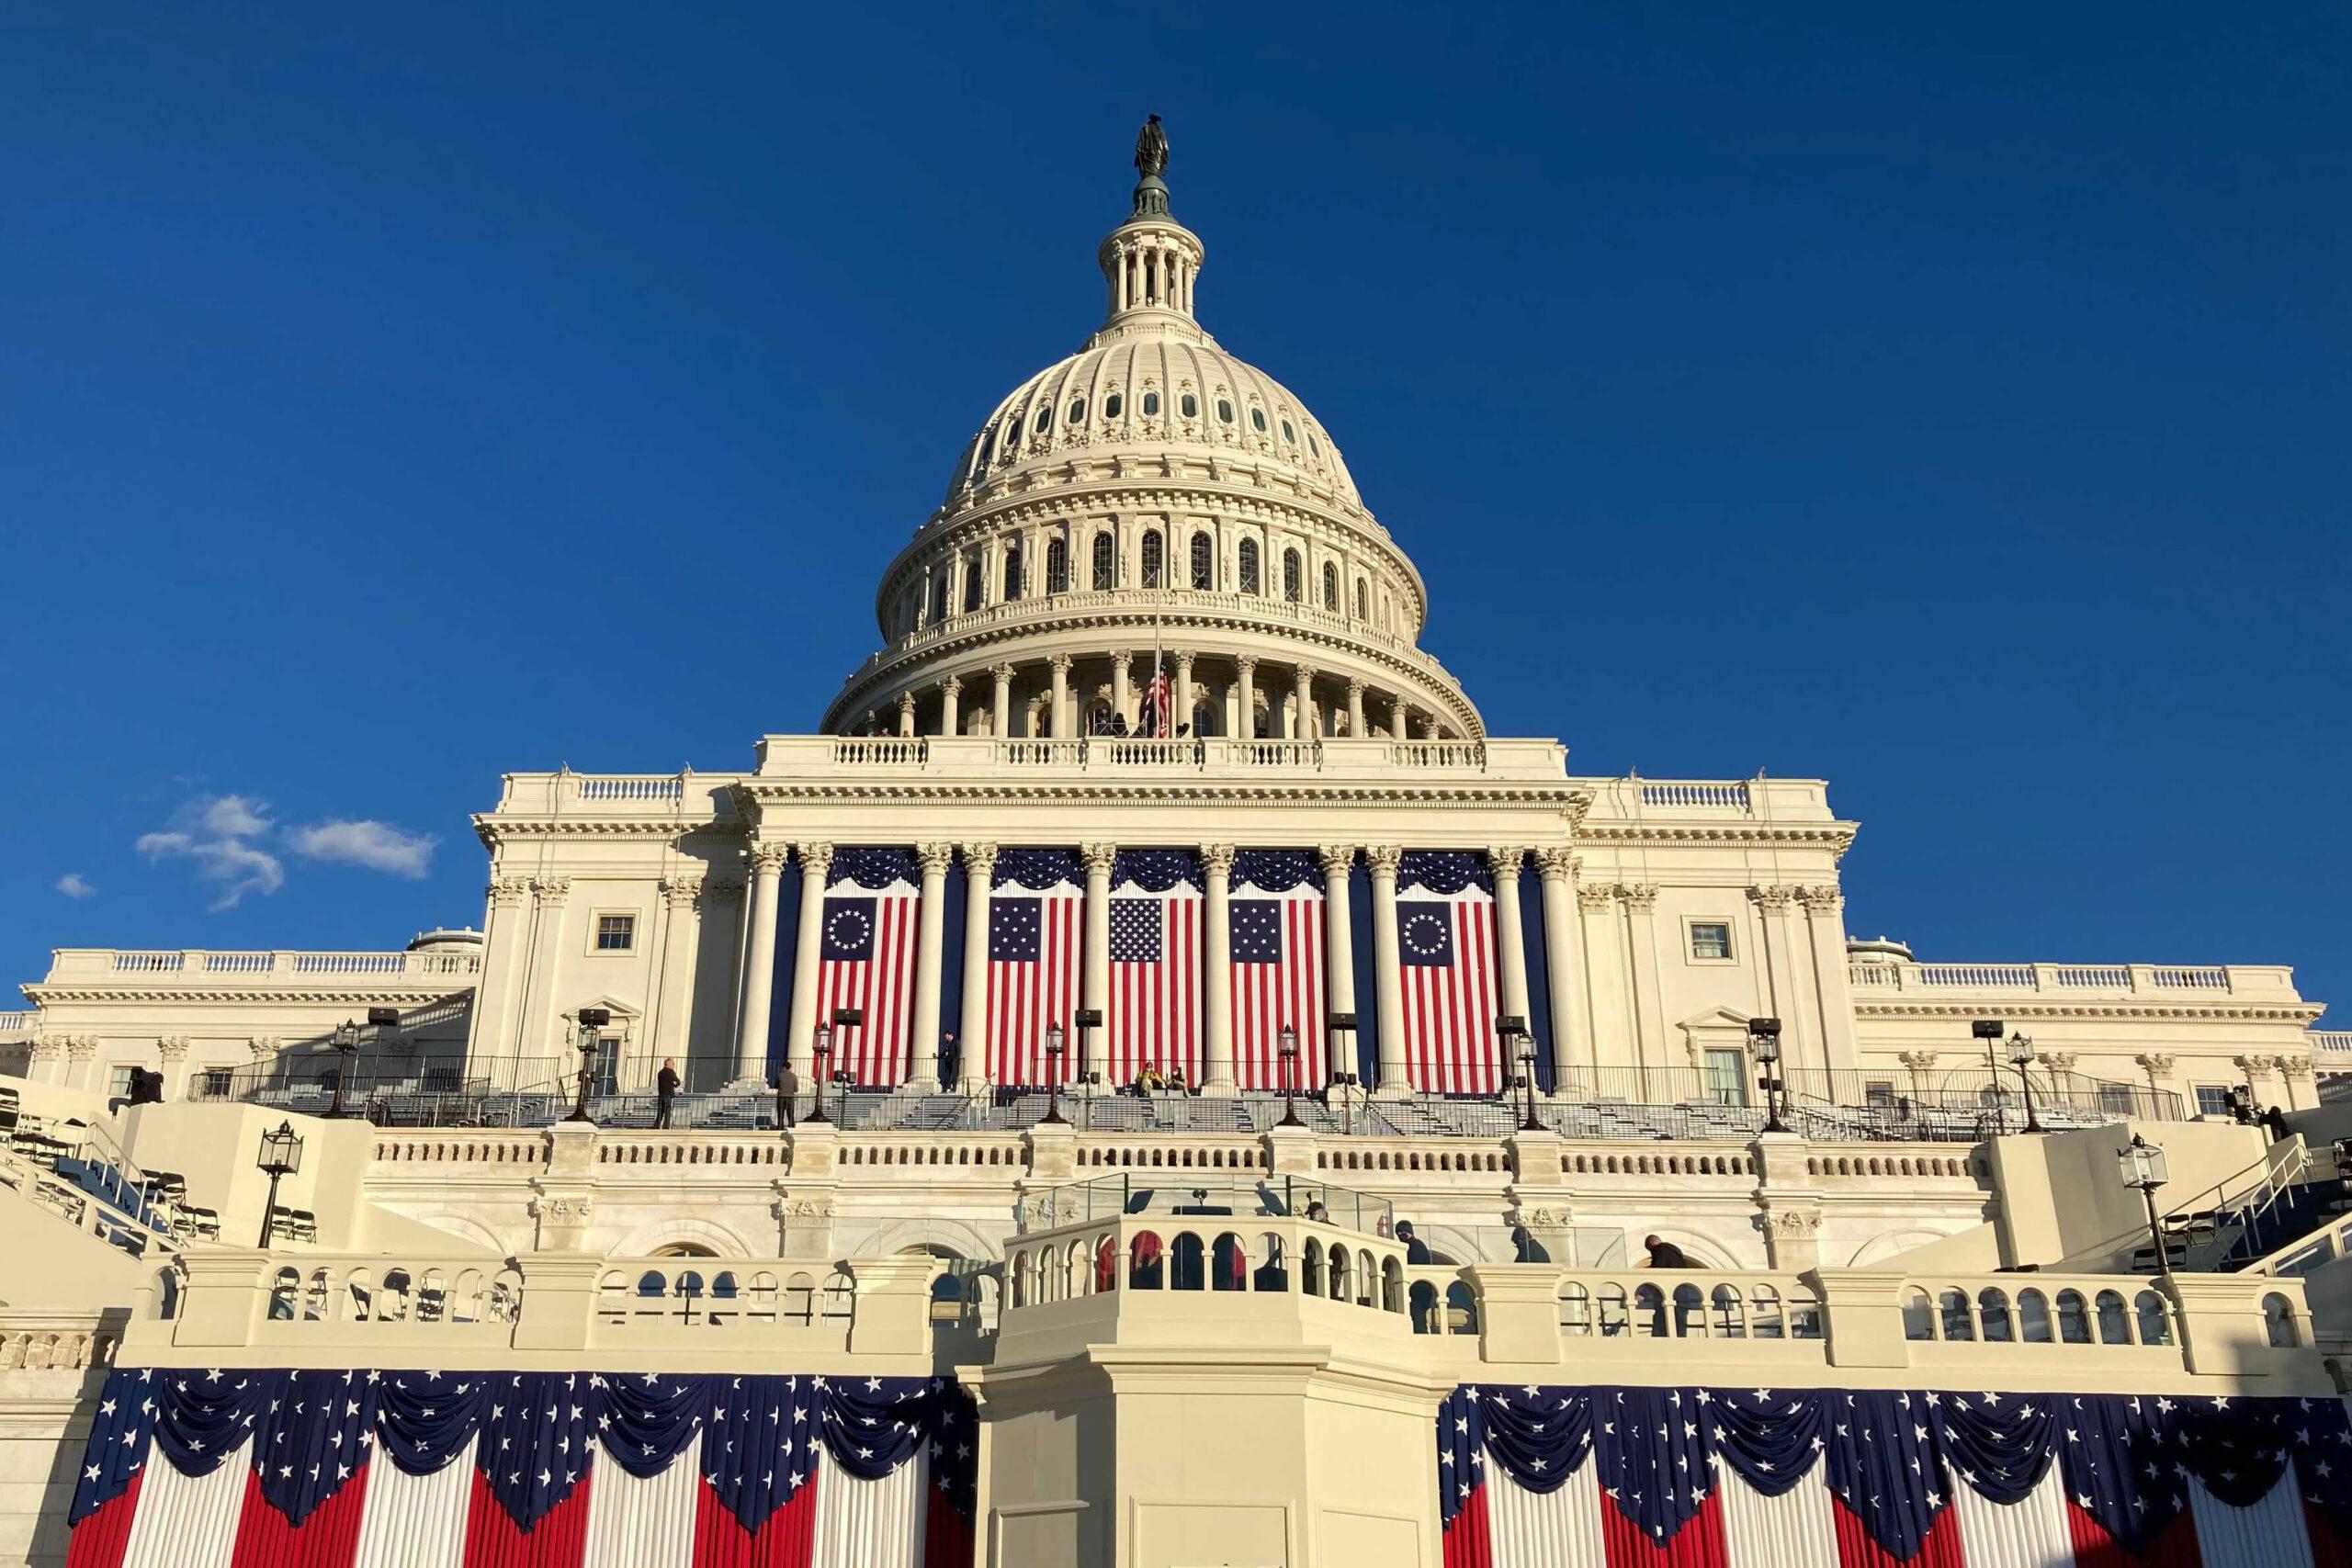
(1011, 572)
(1013, 437)
(1249, 581)
(974, 583)
(1330, 587)
(1312, 449)
(939, 595)
(1152, 551)
(1056, 566)
(1045, 419)
(1077, 415)
(1363, 600)
(1150, 405)
(1225, 411)
(1103, 562)
(1257, 422)
(1289, 434)
(1292, 588)
(1188, 406)
(1112, 405)
(1204, 563)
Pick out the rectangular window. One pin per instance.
(213, 1083)
(2115, 1098)
(1727, 1076)
(1710, 938)
(616, 933)
(2212, 1100)
(1879, 1092)
(119, 1083)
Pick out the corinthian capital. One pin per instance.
(934, 859)
(680, 892)
(508, 892)
(1774, 900)
(1917, 1061)
(1098, 858)
(816, 858)
(1595, 897)
(2295, 1067)
(551, 891)
(1641, 898)
(979, 861)
(1822, 900)
(82, 1047)
(264, 1047)
(1216, 860)
(1383, 861)
(2255, 1066)
(172, 1048)
(769, 855)
(1505, 859)
(2156, 1064)
(46, 1047)
(1337, 858)
(726, 888)
(1058, 663)
(1556, 861)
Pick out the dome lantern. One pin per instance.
(1150, 260)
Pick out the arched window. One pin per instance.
(2033, 1317)
(1144, 1262)
(1423, 1300)
(1204, 562)
(984, 455)
(1224, 411)
(2156, 1323)
(1103, 561)
(1187, 1270)
(2278, 1322)
(1188, 406)
(1250, 583)
(1957, 1324)
(1013, 572)
(1151, 559)
(1056, 566)
(1230, 1263)
(1257, 420)
(939, 596)
(1045, 419)
(974, 583)
(1310, 1278)
(1150, 405)
(1112, 405)
(1013, 437)
(1993, 1307)
(1077, 415)
(1918, 1317)
(1363, 600)
(1291, 586)
(2114, 1325)
(2074, 1318)
(1330, 587)
(1312, 449)
(1289, 434)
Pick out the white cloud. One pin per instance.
(73, 884)
(212, 831)
(378, 846)
(231, 816)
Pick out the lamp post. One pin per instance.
(1764, 1043)
(1519, 1046)
(1286, 1046)
(820, 1049)
(1990, 1030)
(2021, 1057)
(2144, 1167)
(1054, 1074)
(345, 1041)
(592, 1022)
(281, 1156)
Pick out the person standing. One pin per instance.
(1666, 1255)
(665, 1089)
(950, 1058)
(788, 1085)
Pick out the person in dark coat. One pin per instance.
(787, 1088)
(665, 1089)
(1416, 1249)
(950, 1057)
(1666, 1255)
(2276, 1121)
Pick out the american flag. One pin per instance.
(1156, 913)
(334, 1469)
(1662, 1477)
(1153, 720)
(1445, 951)
(1036, 933)
(865, 959)
(1276, 925)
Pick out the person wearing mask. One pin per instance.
(1666, 1255)
(665, 1089)
(1416, 1249)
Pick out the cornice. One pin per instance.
(1837, 837)
(147, 990)
(493, 829)
(1570, 803)
(2299, 1013)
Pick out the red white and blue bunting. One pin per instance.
(372, 1468)
(1602, 1477)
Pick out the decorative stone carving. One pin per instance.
(551, 891)
(680, 892)
(979, 861)
(934, 858)
(1778, 899)
(803, 1209)
(1641, 898)
(1216, 860)
(816, 858)
(2255, 1066)
(726, 890)
(1382, 860)
(508, 892)
(952, 687)
(46, 1047)
(1917, 1061)
(1247, 664)
(1098, 857)
(82, 1047)
(1003, 674)
(562, 1211)
(769, 855)
(1822, 900)
(1593, 897)
(1557, 862)
(2060, 1063)
(2156, 1064)
(1337, 858)
(2295, 1067)
(172, 1048)
(1791, 1222)
(264, 1047)
(1505, 859)
(1544, 1219)
(1183, 657)
(1058, 662)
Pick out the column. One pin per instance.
(1060, 665)
(48, 1059)
(906, 713)
(1799, 1045)
(949, 689)
(1397, 713)
(972, 1039)
(1184, 714)
(547, 896)
(1001, 713)
(82, 1062)
(758, 960)
(923, 1050)
(1602, 936)
(490, 1034)
(1246, 722)
(673, 1001)
(1511, 939)
(2293, 1071)
(1031, 725)
(1217, 1071)
(172, 1050)
(1832, 981)
(1088, 1046)
(1641, 939)
(1120, 660)
(1571, 1053)
(1304, 724)
(1339, 961)
(1355, 710)
(1381, 860)
(799, 1036)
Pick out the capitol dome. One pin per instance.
(1152, 503)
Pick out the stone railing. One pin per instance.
(467, 1310)
(2075, 980)
(1123, 756)
(16, 1025)
(57, 1342)
(196, 967)
(2330, 1047)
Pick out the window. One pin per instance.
(1013, 436)
(1363, 600)
(1204, 562)
(1013, 572)
(1312, 449)
(1077, 415)
(1257, 420)
(1150, 405)
(2212, 1100)
(1248, 554)
(939, 595)
(974, 583)
(1188, 406)
(1330, 587)
(1151, 555)
(1104, 561)
(616, 933)
(1289, 434)
(1110, 406)
(2115, 1098)
(1290, 576)
(1710, 939)
(1045, 419)
(1879, 1094)
(118, 1083)
(1223, 411)
(1727, 1071)
(1056, 566)
(213, 1083)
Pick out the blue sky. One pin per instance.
(1948, 403)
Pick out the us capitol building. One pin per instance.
(1151, 1013)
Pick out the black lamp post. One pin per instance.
(592, 1023)
(1087, 1021)
(2144, 1167)
(1519, 1046)
(2021, 1057)
(1764, 1043)
(1054, 1074)
(1990, 1030)
(1286, 1046)
(345, 1041)
(820, 1048)
(281, 1156)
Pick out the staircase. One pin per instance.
(2248, 1216)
